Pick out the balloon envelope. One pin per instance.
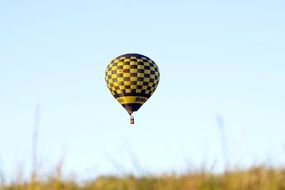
(132, 79)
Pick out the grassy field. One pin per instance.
(258, 178)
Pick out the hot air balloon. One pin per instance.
(132, 79)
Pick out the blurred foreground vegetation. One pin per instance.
(257, 178)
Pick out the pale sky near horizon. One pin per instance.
(215, 58)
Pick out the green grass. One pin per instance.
(258, 178)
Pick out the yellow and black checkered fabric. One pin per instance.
(132, 75)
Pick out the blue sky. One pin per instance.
(215, 58)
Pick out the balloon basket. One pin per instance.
(132, 120)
